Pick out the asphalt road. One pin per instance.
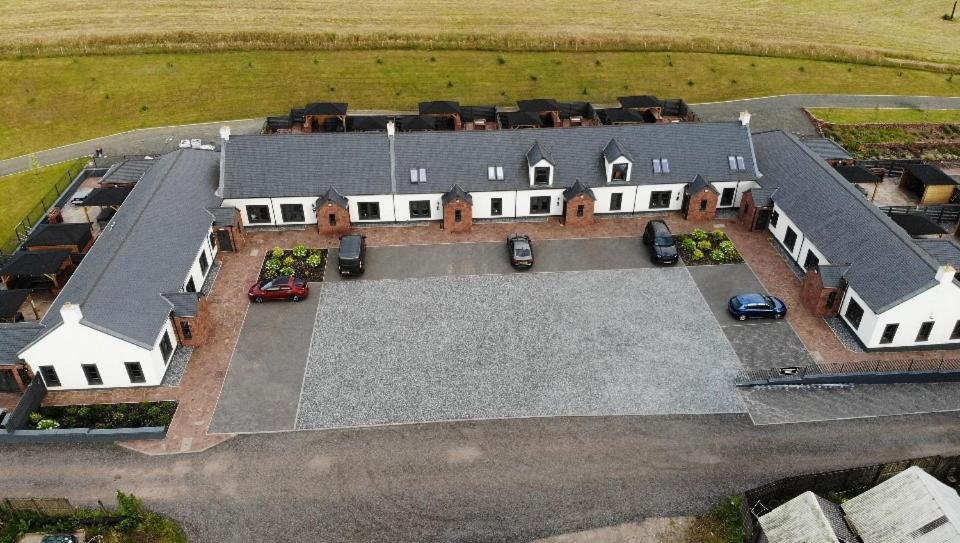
(512, 480)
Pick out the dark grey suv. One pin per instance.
(659, 239)
(353, 249)
(520, 249)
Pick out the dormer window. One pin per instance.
(619, 172)
(737, 163)
(661, 165)
(494, 173)
(541, 175)
(418, 175)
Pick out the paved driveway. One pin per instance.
(760, 344)
(452, 259)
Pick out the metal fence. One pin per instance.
(946, 213)
(760, 500)
(866, 371)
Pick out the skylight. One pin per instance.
(418, 175)
(495, 173)
(661, 165)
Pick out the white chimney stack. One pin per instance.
(745, 118)
(945, 274)
(391, 129)
(70, 313)
(225, 133)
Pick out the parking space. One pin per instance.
(454, 259)
(262, 386)
(760, 344)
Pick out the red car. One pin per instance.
(281, 288)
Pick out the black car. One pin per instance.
(520, 249)
(353, 249)
(659, 239)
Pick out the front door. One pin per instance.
(224, 240)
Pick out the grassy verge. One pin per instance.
(26, 196)
(721, 525)
(53, 101)
(885, 116)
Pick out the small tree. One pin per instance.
(314, 260)
(289, 261)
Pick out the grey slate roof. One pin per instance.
(147, 250)
(698, 184)
(35, 263)
(929, 174)
(886, 267)
(264, 166)
(60, 234)
(10, 302)
(536, 154)
(333, 196)
(762, 197)
(454, 193)
(184, 303)
(827, 149)
(576, 190)
(613, 151)
(14, 337)
(944, 251)
(127, 172)
(832, 274)
(223, 216)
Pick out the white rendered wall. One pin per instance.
(401, 204)
(602, 205)
(386, 207)
(940, 305)
(523, 202)
(642, 202)
(481, 204)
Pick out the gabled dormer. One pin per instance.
(617, 162)
(540, 166)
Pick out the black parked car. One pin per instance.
(756, 306)
(353, 249)
(520, 249)
(659, 239)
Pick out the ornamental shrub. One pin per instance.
(719, 235)
(277, 252)
(697, 254)
(286, 271)
(47, 424)
(300, 250)
(733, 256)
(273, 264)
(726, 246)
(698, 234)
(705, 245)
(314, 260)
(688, 245)
(35, 417)
(716, 256)
(271, 274)
(289, 261)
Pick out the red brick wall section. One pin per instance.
(747, 214)
(342, 216)
(199, 326)
(450, 223)
(570, 215)
(814, 297)
(693, 210)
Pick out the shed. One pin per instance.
(808, 518)
(928, 183)
(73, 237)
(324, 117)
(917, 225)
(37, 270)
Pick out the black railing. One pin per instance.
(864, 371)
(946, 213)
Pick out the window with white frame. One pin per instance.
(661, 165)
(541, 175)
(418, 175)
(618, 172)
(495, 173)
(737, 163)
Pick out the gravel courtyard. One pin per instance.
(614, 342)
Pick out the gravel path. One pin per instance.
(535, 345)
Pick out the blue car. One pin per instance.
(757, 306)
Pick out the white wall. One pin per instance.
(386, 207)
(780, 231)
(90, 346)
(940, 304)
(608, 166)
(523, 202)
(241, 205)
(602, 205)
(196, 273)
(642, 202)
(808, 247)
(309, 214)
(401, 204)
(481, 204)
(740, 187)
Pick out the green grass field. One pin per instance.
(869, 30)
(21, 193)
(54, 101)
(886, 116)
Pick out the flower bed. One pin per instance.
(104, 416)
(700, 247)
(299, 261)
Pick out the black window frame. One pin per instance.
(424, 209)
(774, 217)
(540, 205)
(457, 215)
(923, 334)
(368, 211)
(619, 172)
(49, 376)
(166, 347)
(616, 201)
(660, 199)
(256, 218)
(191, 285)
(204, 263)
(332, 219)
(732, 191)
(853, 314)
(790, 239)
(92, 374)
(186, 329)
(496, 207)
(889, 333)
(955, 334)
(290, 212)
(135, 372)
(581, 209)
(811, 261)
(541, 176)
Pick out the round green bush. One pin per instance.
(688, 245)
(273, 264)
(697, 254)
(300, 250)
(271, 274)
(698, 234)
(705, 245)
(733, 256)
(726, 246)
(277, 252)
(286, 271)
(719, 235)
(716, 256)
(314, 260)
(47, 424)
(289, 261)
(35, 417)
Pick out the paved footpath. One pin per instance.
(769, 113)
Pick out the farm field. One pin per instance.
(885, 116)
(53, 101)
(866, 30)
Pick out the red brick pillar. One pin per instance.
(457, 215)
(578, 211)
(702, 205)
(821, 301)
(333, 219)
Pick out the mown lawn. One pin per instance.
(54, 101)
(886, 116)
(21, 193)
